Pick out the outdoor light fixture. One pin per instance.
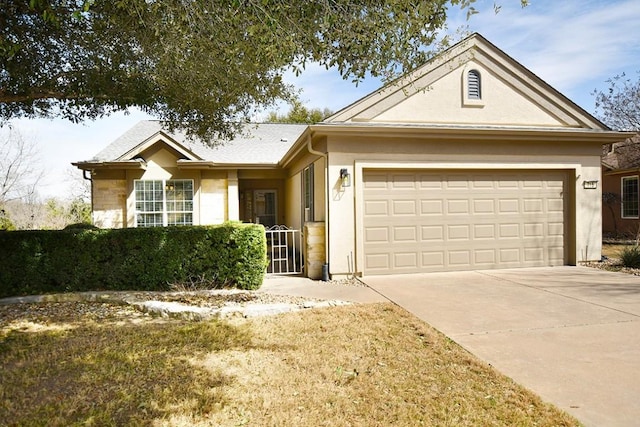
(345, 178)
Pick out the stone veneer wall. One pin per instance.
(109, 203)
(314, 249)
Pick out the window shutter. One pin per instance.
(473, 85)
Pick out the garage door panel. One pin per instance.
(509, 256)
(509, 231)
(431, 207)
(440, 221)
(433, 233)
(405, 260)
(484, 257)
(533, 255)
(433, 260)
(403, 182)
(484, 206)
(457, 182)
(458, 207)
(555, 205)
(404, 207)
(509, 206)
(377, 262)
(376, 235)
(376, 207)
(429, 181)
(458, 232)
(405, 234)
(555, 229)
(533, 205)
(533, 230)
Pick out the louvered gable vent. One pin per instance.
(473, 83)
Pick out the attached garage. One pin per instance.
(418, 221)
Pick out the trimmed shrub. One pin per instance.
(81, 226)
(630, 256)
(44, 261)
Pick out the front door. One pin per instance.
(265, 207)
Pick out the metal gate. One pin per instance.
(284, 249)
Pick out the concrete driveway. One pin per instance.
(570, 334)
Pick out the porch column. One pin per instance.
(233, 199)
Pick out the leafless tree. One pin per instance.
(79, 188)
(20, 169)
(619, 106)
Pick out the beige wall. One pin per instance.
(114, 198)
(109, 190)
(213, 198)
(293, 205)
(293, 188)
(319, 191)
(436, 103)
(581, 160)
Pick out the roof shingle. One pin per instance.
(256, 143)
(623, 155)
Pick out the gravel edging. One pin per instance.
(185, 305)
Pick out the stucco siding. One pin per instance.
(580, 162)
(293, 202)
(500, 104)
(213, 200)
(319, 189)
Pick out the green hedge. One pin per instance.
(33, 262)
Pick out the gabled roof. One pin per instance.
(419, 84)
(255, 144)
(425, 103)
(623, 155)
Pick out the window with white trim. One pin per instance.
(164, 202)
(630, 197)
(307, 193)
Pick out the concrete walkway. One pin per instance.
(307, 288)
(570, 334)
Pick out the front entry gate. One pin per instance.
(284, 249)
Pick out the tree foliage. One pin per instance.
(204, 64)
(300, 114)
(619, 106)
(52, 214)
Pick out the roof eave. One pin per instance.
(295, 148)
(124, 164)
(470, 132)
(193, 164)
(621, 171)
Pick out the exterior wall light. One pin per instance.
(345, 177)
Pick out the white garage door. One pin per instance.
(422, 221)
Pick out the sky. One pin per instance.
(573, 45)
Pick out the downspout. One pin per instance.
(90, 179)
(326, 200)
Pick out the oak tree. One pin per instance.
(300, 114)
(200, 64)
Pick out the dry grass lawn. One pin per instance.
(612, 251)
(361, 365)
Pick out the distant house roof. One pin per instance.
(622, 155)
(256, 143)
